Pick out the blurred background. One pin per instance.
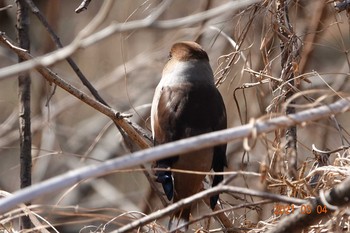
(126, 67)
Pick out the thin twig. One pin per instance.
(58, 44)
(31, 214)
(83, 6)
(5, 8)
(310, 37)
(228, 225)
(71, 48)
(289, 56)
(218, 189)
(84, 40)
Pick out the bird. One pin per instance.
(187, 103)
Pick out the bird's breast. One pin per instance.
(187, 72)
(187, 184)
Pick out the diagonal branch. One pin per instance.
(84, 40)
(330, 200)
(126, 128)
(58, 44)
(166, 150)
(54, 78)
(73, 65)
(186, 201)
(83, 6)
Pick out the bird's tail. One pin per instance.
(179, 221)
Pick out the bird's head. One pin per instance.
(187, 51)
(188, 62)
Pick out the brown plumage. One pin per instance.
(186, 103)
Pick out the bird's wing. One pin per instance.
(187, 110)
(219, 158)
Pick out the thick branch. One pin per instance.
(337, 197)
(127, 129)
(24, 106)
(167, 150)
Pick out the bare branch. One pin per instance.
(83, 6)
(83, 39)
(54, 78)
(75, 67)
(126, 128)
(218, 189)
(5, 8)
(65, 52)
(24, 95)
(58, 44)
(332, 199)
(289, 56)
(118, 73)
(29, 213)
(167, 150)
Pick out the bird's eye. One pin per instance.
(170, 56)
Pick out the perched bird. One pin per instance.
(187, 103)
